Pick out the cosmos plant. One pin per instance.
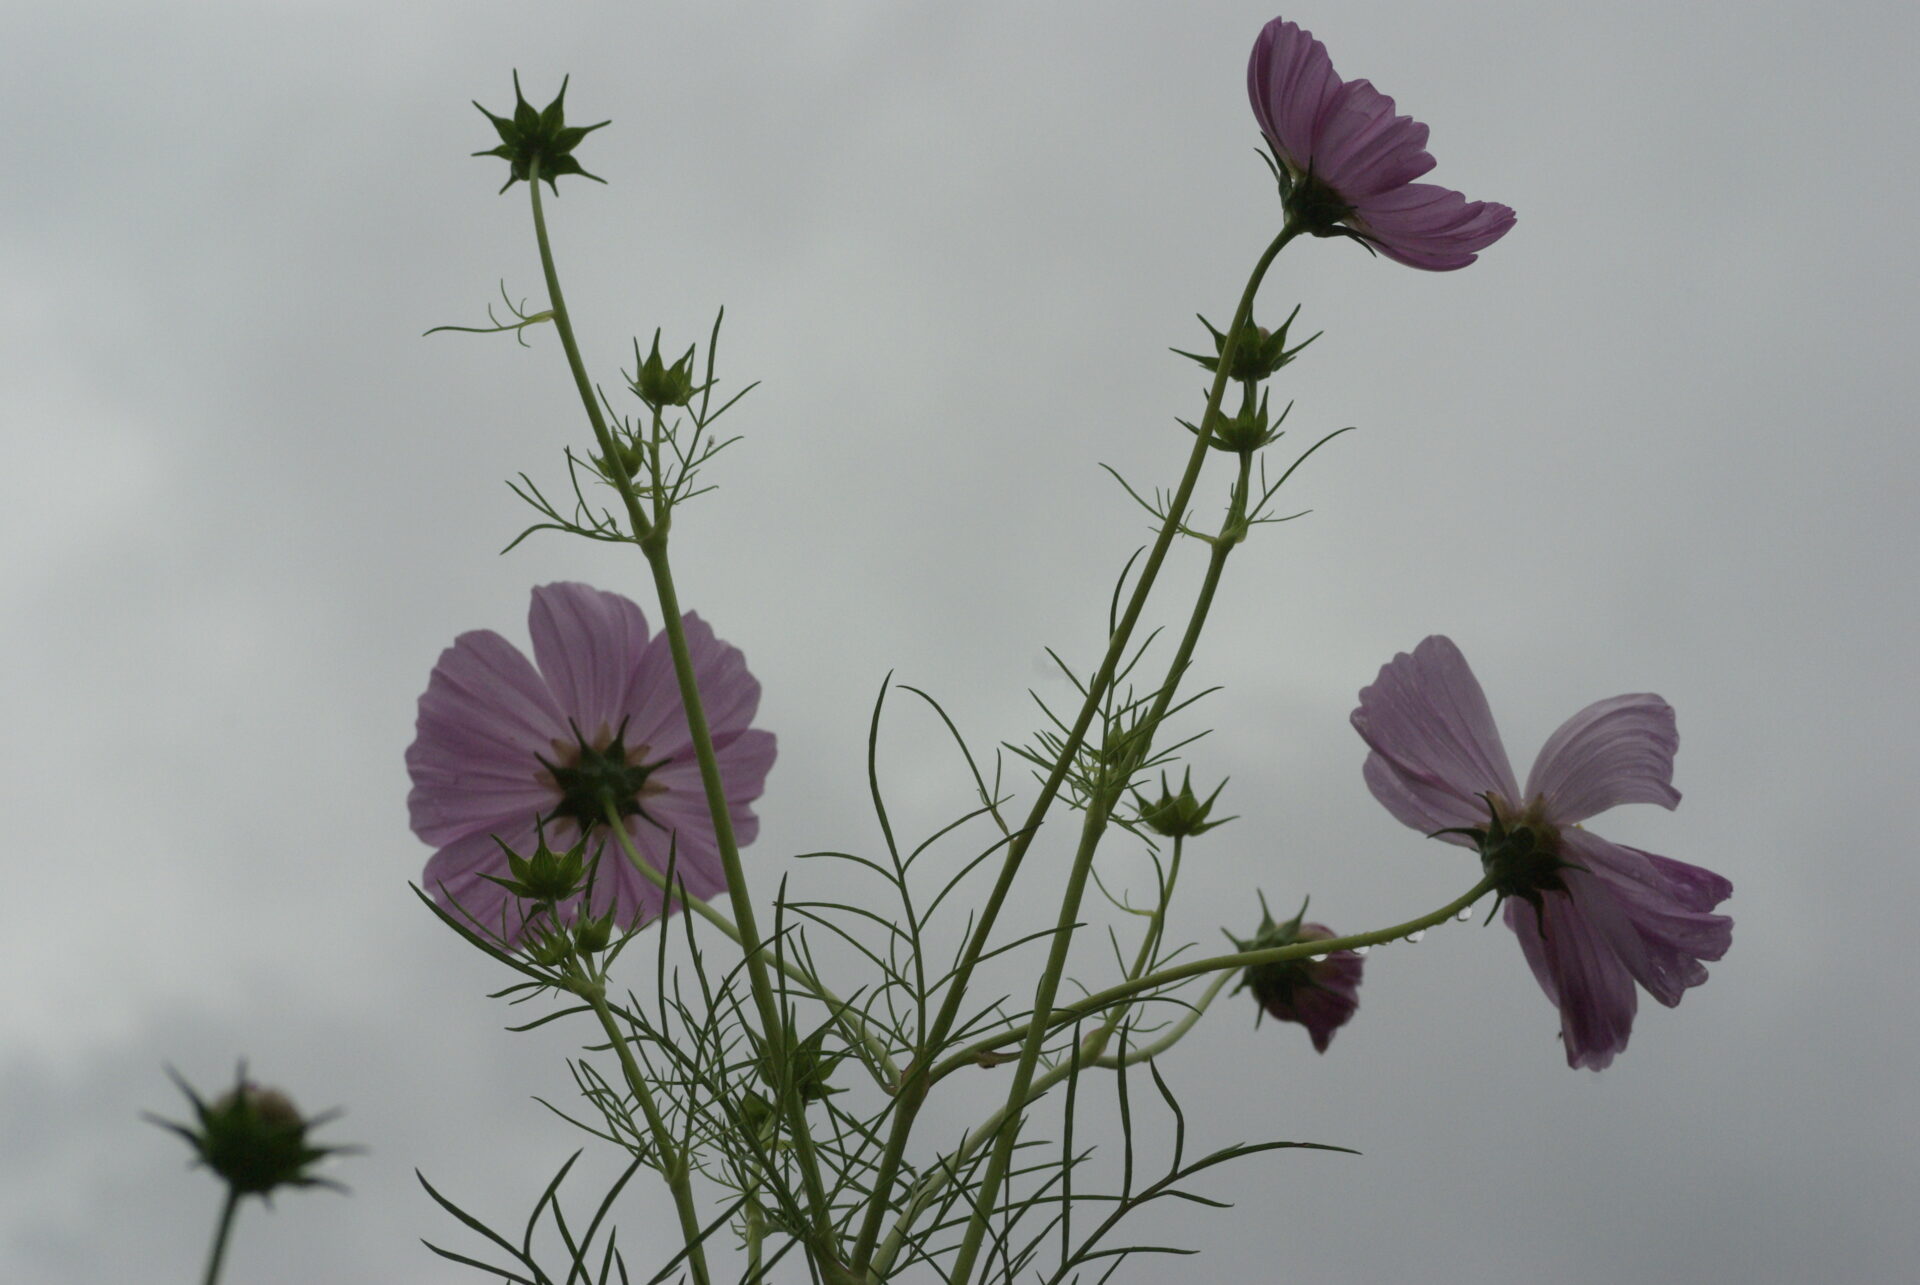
(784, 1066)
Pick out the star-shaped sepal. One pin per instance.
(1521, 855)
(254, 1138)
(543, 137)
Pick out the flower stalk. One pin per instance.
(651, 536)
(916, 1082)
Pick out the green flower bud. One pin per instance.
(546, 876)
(1246, 432)
(658, 384)
(625, 461)
(544, 137)
(760, 1119)
(549, 948)
(1182, 815)
(253, 1138)
(591, 936)
(808, 1065)
(1258, 354)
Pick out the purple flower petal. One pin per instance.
(1427, 226)
(730, 694)
(1612, 752)
(587, 644)
(483, 717)
(1290, 80)
(1579, 971)
(1365, 149)
(1421, 807)
(1593, 917)
(1656, 923)
(490, 724)
(1347, 137)
(453, 878)
(1427, 720)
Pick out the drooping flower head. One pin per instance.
(1593, 917)
(1347, 163)
(1321, 993)
(526, 756)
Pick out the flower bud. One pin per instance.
(591, 936)
(1320, 992)
(528, 138)
(549, 949)
(807, 1065)
(1258, 353)
(658, 384)
(546, 876)
(253, 1137)
(1246, 432)
(1182, 815)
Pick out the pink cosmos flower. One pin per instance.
(501, 745)
(1348, 163)
(1593, 917)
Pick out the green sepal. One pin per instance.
(1257, 355)
(253, 1138)
(531, 136)
(1182, 815)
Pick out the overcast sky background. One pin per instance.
(1659, 438)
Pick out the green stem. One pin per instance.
(914, 1088)
(221, 1234)
(1084, 1008)
(673, 1165)
(936, 1178)
(651, 537)
(563, 324)
(851, 1022)
(1148, 1052)
(1137, 747)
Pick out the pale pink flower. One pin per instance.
(502, 746)
(1593, 917)
(1348, 163)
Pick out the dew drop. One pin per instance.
(1413, 938)
(1361, 950)
(1465, 914)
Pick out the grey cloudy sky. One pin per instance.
(1657, 439)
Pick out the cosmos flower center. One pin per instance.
(1520, 849)
(1317, 207)
(598, 773)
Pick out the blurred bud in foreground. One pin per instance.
(253, 1138)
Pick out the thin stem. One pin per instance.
(937, 1177)
(220, 1235)
(756, 1236)
(652, 539)
(1148, 1052)
(1135, 748)
(1081, 1009)
(673, 1165)
(914, 1088)
(772, 1027)
(851, 1022)
(563, 324)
